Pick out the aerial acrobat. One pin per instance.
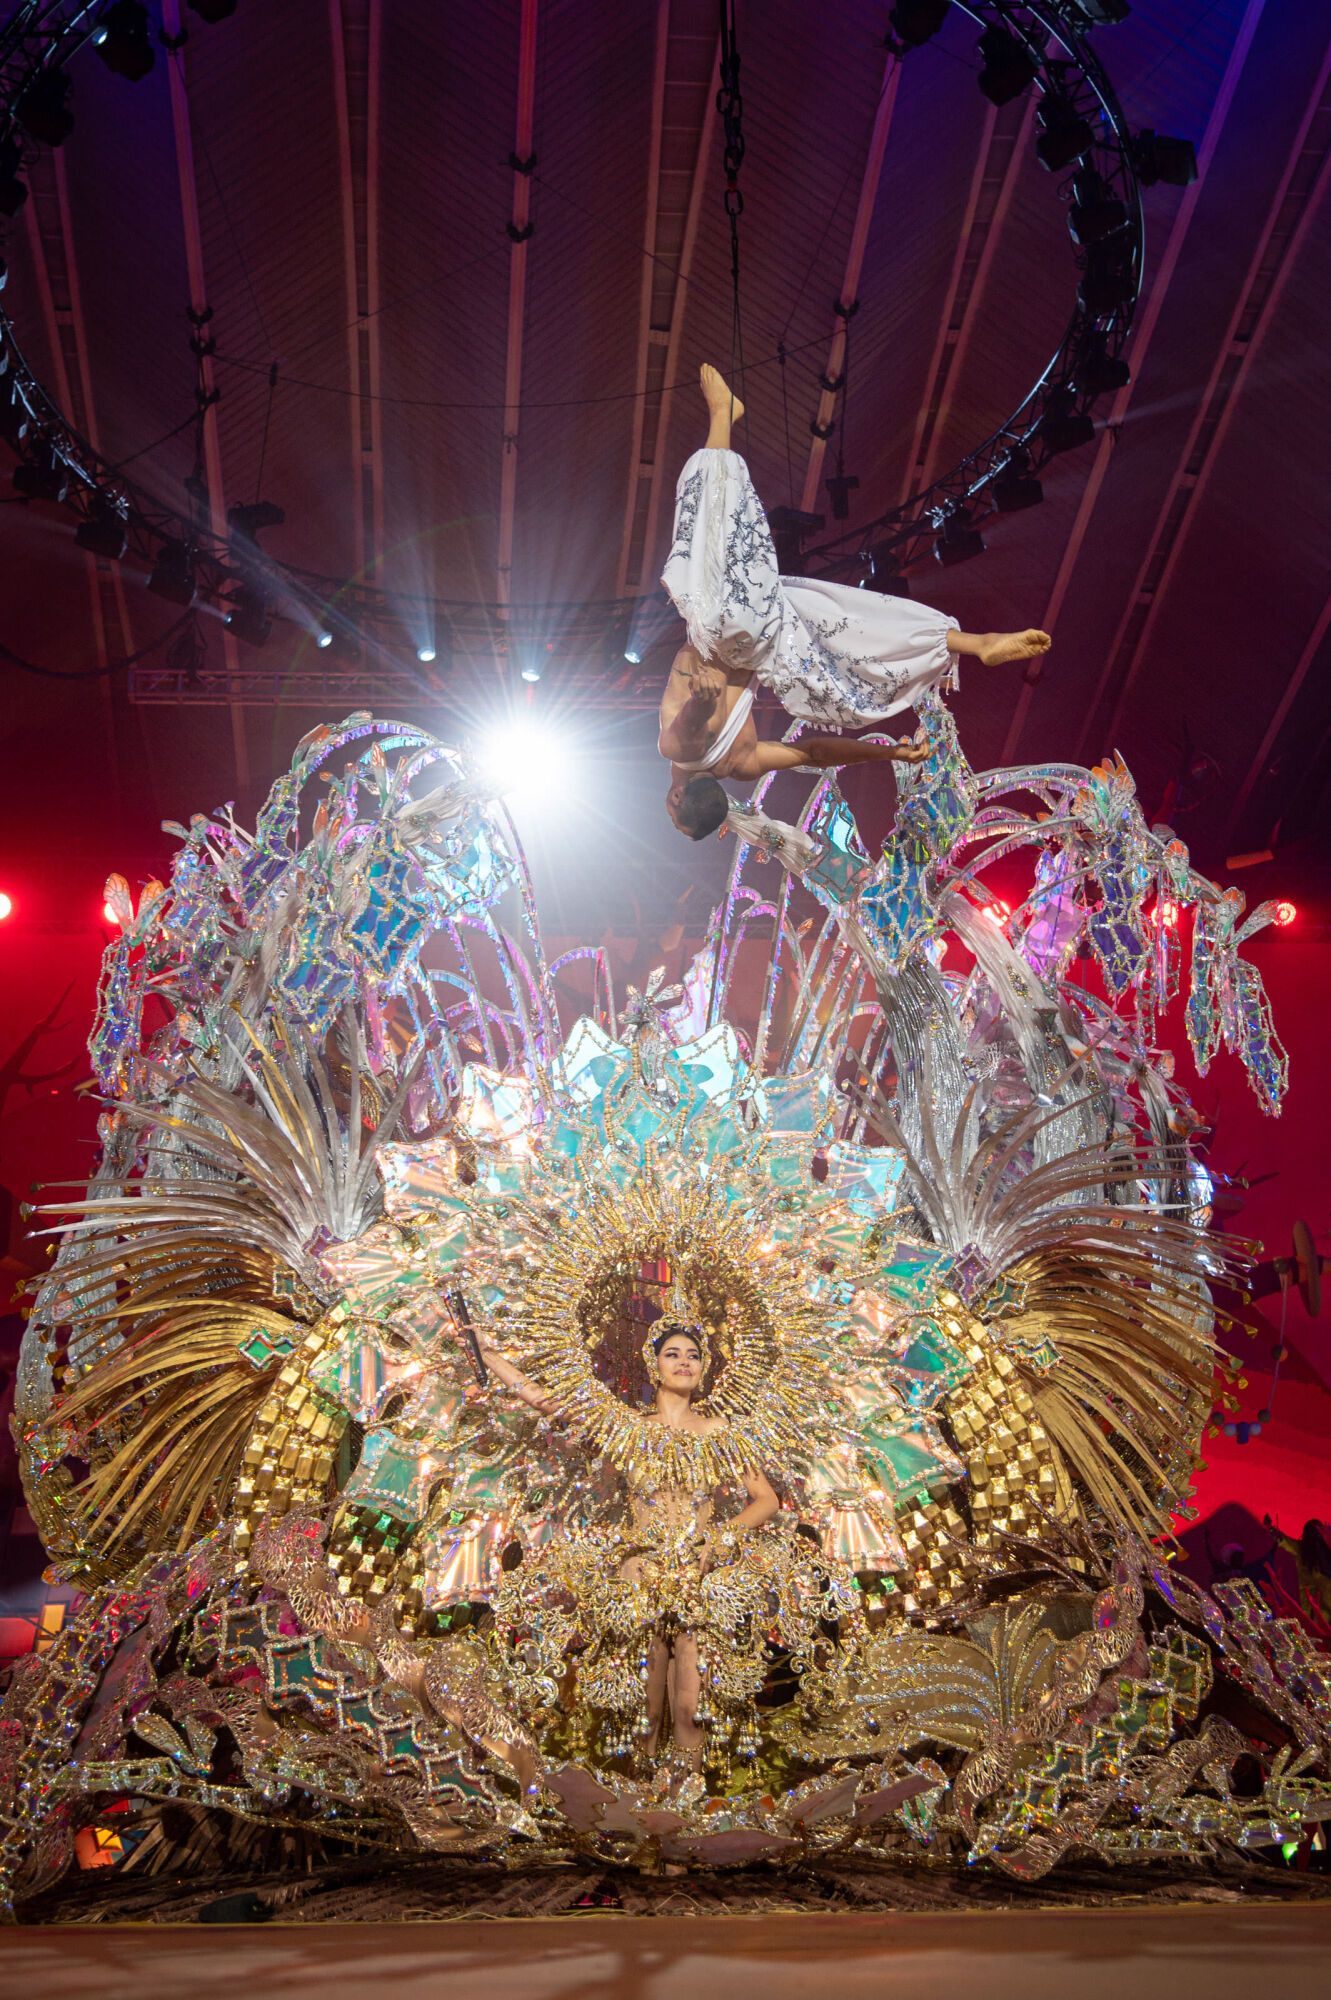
(831, 653)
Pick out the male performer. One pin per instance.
(831, 653)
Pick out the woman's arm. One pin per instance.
(763, 1503)
(513, 1378)
(689, 730)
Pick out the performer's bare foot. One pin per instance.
(723, 407)
(998, 648)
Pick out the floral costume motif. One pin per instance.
(830, 653)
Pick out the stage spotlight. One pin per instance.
(105, 532)
(121, 40)
(915, 21)
(885, 570)
(323, 640)
(1015, 488)
(527, 762)
(997, 911)
(633, 655)
(1285, 913)
(1008, 66)
(1096, 212)
(531, 672)
(1064, 134)
(108, 914)
(172, 575)
(13, 190)
(1158, 158)
(957, 540)
(212, 10)
(1098, 372)
(43, 109)
(6, 906)
(44, 476)
(426, 655)
(1064, 427)
(250, 616)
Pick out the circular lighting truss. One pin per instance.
(1083, 139)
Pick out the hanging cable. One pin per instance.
(730, 104)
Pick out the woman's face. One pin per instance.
(680, 1364)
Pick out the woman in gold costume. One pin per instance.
(670, 1608)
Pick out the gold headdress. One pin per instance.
(675, 1319)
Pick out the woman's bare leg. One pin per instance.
(723, 407)
(658, 1667)
(685, 1690)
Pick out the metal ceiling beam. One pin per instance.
(850, 282)
(212, 450)
(960, 281)
(519, 229)
(355, 33)
(52, 244)
(1143, 330)
(1287, 222)
(687, 59)
(1007, 137)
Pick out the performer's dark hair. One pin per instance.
(671, 1329)
(702, 807)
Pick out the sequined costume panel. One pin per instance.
(830, 653)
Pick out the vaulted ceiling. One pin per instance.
(463, 261)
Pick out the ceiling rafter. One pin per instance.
(355, 31)
(1147, 319)
(198, 295)
(848, 296)
(1007, 136)
(687, 64)
(1287, 221)
(519, 229)
(50, 237)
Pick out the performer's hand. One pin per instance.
(909, 753)
(706, 681)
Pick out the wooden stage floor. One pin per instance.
(1260, 1951)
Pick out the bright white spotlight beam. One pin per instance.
(528, 762)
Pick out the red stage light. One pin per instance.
(6, 906)
(1285, 913)
(108, 914)
(1167, 914)
(998, 911)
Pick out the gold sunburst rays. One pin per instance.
(560, 1257)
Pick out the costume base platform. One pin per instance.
(1176, 1953)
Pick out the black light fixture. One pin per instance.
(43, 109)
(187, 653)
(1107, 281)
(172, 576)
(1158, 158)
(14, 418)
(1009, 67)
(914, 21)
(1098, 372)
(1064, 427)
(105, 531)
(1064, 134)
(885, 571)
(121, 40)
(251, 615)
(1096, 211)
(212, 10)
(42, 476)
(957, 540)
(1016, 487)
(13, 189)
(1102, 13)
(840, 486)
